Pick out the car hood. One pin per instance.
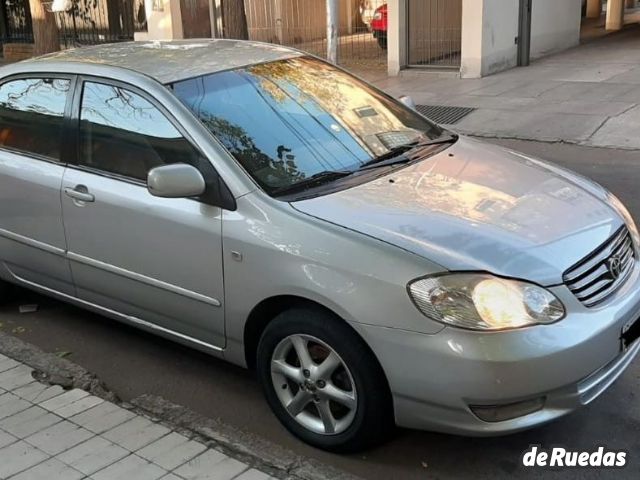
(480, 207)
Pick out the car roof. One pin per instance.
(171, 61)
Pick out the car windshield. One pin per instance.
(300, 120)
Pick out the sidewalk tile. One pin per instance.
(6, 439)
(102, 417)
(202, 462)
(10, 405)
(37, 392)
(16, 377)
(52, 469)
(211, 465)
(136, 433)
(28, 422)
(7, 363)
(130, 468)
(63, 400)
(171, 451)
(92, 455)
(78, 407)
(18, 457)
(59, 437)
(171, 476)
(253, 474)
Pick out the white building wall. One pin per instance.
(164, 23)
(499, 32)
(489, 31)
(555, 26)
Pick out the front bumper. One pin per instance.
(435, 379)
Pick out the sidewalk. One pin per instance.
(48, 433)
(588, 95)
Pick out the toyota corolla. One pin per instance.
(261, 205)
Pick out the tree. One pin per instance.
(45, 29)
(234, 19)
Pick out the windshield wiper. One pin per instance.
(397, 155)
(449, 138)
(312, 181)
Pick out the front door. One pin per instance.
(32, 241)
(154, 259)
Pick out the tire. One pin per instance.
(4, 292)
(357, 381)
(382, 41)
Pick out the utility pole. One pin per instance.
(332, 31)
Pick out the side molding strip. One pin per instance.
(31, 242)
(110, 268)
(127, 318)
(143, 279)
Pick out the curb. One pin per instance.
(255, 451)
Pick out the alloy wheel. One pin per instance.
(314, 384)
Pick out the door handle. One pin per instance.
(80, 193)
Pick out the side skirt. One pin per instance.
(126, 319)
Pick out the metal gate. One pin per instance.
(17, 21)
(90, 22)
(302, 24)
(434, 29)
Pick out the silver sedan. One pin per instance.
(270, 209)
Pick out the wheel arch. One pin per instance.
(265, 311)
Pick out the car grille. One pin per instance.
(598, 276)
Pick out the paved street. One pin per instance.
(132, 363)
(587, 95)
(49, 433)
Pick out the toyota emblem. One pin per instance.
(614, 265)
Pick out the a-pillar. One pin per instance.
(615, 14)
(594, 8)
(164, 20)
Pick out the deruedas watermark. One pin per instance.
(555, 457)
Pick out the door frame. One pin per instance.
(205, 165)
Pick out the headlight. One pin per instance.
(624, 213)
(377, 16)
(484, 302)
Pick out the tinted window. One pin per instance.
(285, 121)
(31, 115)
(122, 133)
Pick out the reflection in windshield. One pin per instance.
(288, 120)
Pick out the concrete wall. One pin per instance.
(555, 26)
(489, 31)
(396, 36)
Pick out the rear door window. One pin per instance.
(32, 115)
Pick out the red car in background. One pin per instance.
(379, 25)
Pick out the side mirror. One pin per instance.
(407, 101)
(178, 180)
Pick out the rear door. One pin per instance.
(157, 260)
(32, 239)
